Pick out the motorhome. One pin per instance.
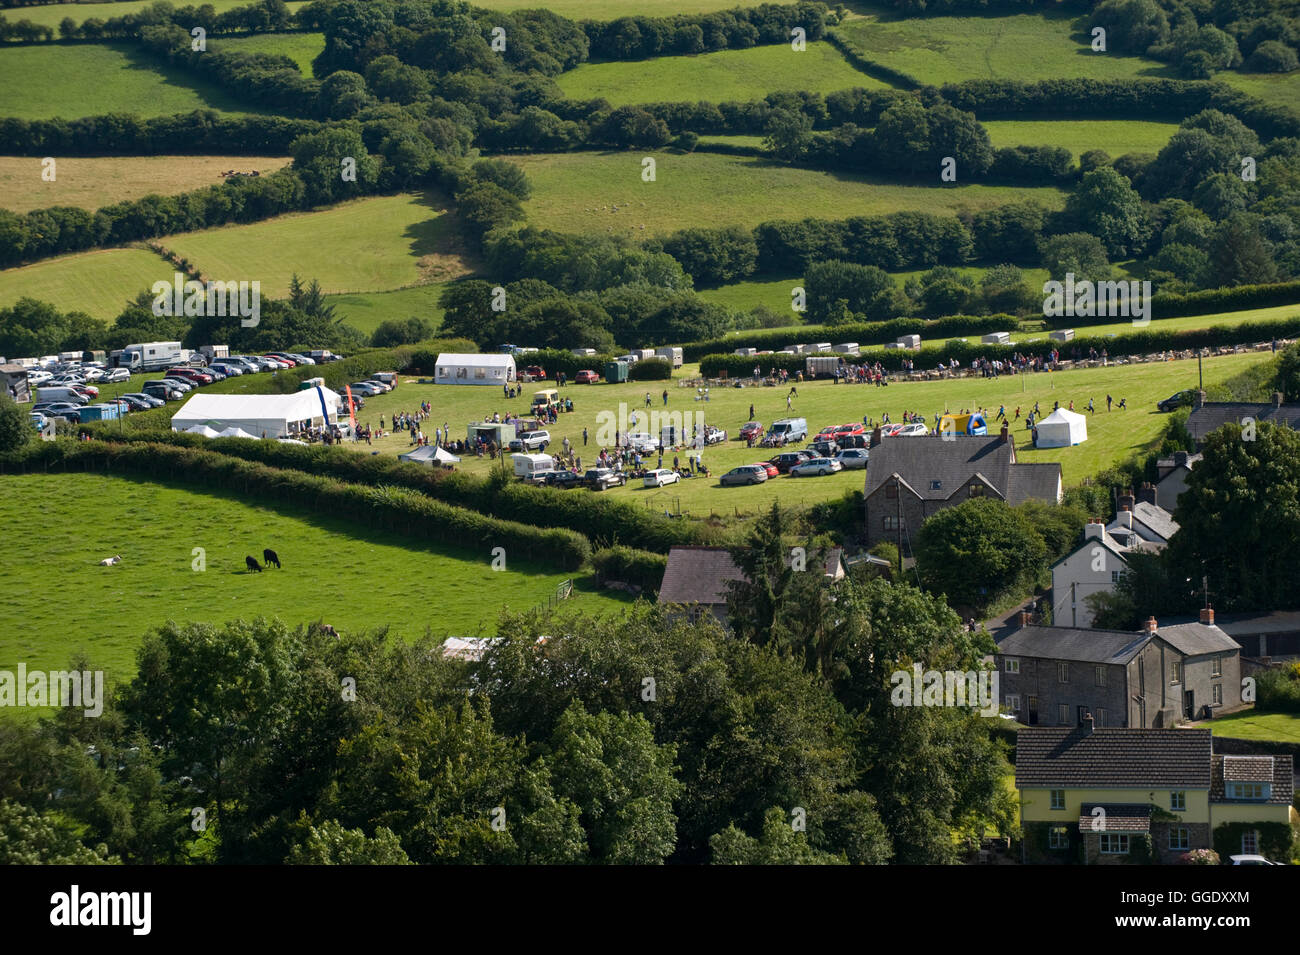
(151, 356)
(526, 465)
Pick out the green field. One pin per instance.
(97, 283)
(1113, 136)
(725, 76)
(1249, 724)
(1111, 437)
(364, 311)
(752, 142)
(577, 192)
(1025, 47)
(302, 48)
(366, 245)
(1276, 89)
(49, 81)
(61, 603)
(92, 182)
(51, 15)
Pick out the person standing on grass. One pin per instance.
(751, 412)
(1108, 402)
(665, 397)
(1091, 409)
(584, 437)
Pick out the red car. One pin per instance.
(751, 428)
(537, 371)
(844, 430)
(190, 374)
(586, 377)
(827, 433)
(772, 469)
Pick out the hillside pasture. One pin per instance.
(1115, 137)
(365, 311)
(52, 14)
(302, 48)
(98, 283)
(92, 182)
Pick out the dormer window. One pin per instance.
(936, 485)
(1254, 792)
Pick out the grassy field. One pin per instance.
(97, 283)
(1111, 436)
(754, 142)
(1026, 47)
(302, 48)
(48, 81)
(1276, 89)
(367, 245)
(577, 192)
(61, 603)
(52, 15)
(1282, 727)
(364, 311)
(1115, 137)
(94, 182)
(725, 76)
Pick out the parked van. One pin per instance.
(544, 399)
(791, 429)
(388, 378)
(61, 394)
(526, 465)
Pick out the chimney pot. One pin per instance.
(1152, 626)
(875, 437)
(1088, 724)
(1026, 618)
(1180, 458)
(1207, 616)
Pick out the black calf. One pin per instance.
(270, 557)
(253, 564)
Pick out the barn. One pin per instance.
(456, 369)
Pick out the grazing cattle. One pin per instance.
(253, 564)
(111, 561)
(270, 557)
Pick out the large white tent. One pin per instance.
(430, 454)
(262, 416)
(1061, 429)
(458, 369)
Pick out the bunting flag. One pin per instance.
(352, 408)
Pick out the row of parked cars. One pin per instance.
(843, 447)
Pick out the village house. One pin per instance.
(1097, 795)
(1209, 416)
(1095, 566)
(911, 478)
(1171, 480)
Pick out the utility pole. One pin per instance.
(898, 517)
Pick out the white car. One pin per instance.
(94, 374)
(853, 459)
(116, 375)
(1251, 860)
(39, 377)
(911, 430)
(640, 441)
(661, 476)
(817, 467)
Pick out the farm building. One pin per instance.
(263, 416)
(454, 369)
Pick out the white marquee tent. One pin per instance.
(431, 455)
(262, 416)
(454, 369)
(1061, 429)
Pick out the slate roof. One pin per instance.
(1074, 643)
(919, 461)
(698, 575)
(1171, 464)
(1211, 416)
(1066, 757)
(1156, 518)
(1119, 817)
(1274, 769)
(1197, 638)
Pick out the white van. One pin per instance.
(790, 429)
(526, 465)
(56, 393)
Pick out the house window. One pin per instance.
(977, 490)
(1058, 837)
(1180, 837)
(1217, 692)
(1101, 717)
(893, 523)
(1099, 674)
(1216, 665)
(1063, 673)
(1250, 842)
(1178, 801)
(1114, 576)
(1257, 792)
(1062, 713)
(1113, 844)
(1013, 702)
(936, 485)
(1175, 672)
(1012, 666)
(1058, 798)
(891, 491)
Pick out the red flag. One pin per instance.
(352, 408)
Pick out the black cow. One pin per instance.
(271, 557)
(253, 564)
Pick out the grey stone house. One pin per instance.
(1210, 416)
(911, 478)
(697, 578)
(1157, 677)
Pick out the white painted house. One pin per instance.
(1093, 567)
(454, 369)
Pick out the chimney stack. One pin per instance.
(1207, 616)
(875, 437)
(1152, 626)
(1004, 432)
(1126, 501)
(1094, 530)
(1277, 399)
(1147, 492)
(1200, 399)
(1180, 459)
(1088, 724)
(1026, 618)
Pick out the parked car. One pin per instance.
(824, 449)
(1251, 860)
(38, 377)
(750, 429)
(149, 401)
(190, 374)
(564, 479)
(367, 389)
(94, 374)
(230, 370)
(1178, 399)
(788, 459)
(301, 359)
(586, 377)
(598, 479)
(771, 469)
(661, 476)
(132, 404)
(714, 435)
(39, 421)
(745, 474)
(281, 360)
(817, 467)
(184, 386)
(844, 430)
(854, 441)
(853, 459)
(531, 441)
(86, 391)
(163, 389)
(535, 371)
(914, 430)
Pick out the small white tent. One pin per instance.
(269, 416)
(454, 369)
(1061, 429)
(431, 455)
(204, 430)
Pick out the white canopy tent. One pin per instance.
(431, 455)
(460, 369)
(204, 430)
(261, 416)
(1061, 429)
